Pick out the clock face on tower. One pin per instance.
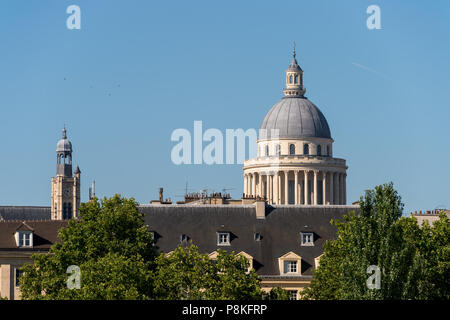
(66, 192)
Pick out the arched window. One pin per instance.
(290, 78)
(319, 150)
(328, 150)
(267, 150)
(296, 79)
(306, 149)
(291, 149)
(278, 150)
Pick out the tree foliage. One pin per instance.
(118, 259)
(414, 260)
(187, 274)
(277, 293)
(112, 247)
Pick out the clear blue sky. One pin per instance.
(137, 70)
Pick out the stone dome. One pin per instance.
(296, 118)
(64, 145)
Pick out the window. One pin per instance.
(292, 149)
(278, 150)
(292, 294)
(290, 78)
(328, 150)
(307, 238)
(319, 150)
(223, 238)
(290, 267)
(183, 238)
(64, 211)
(257, 236)
(296, 79)
(289, 264)
(306, 149)
(24, 239)
(267, 150)
(18, 275)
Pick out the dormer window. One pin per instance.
(24, 236)
(290, 266)
(24, 239)
(183, 238)
(307, 238)
(223, 238)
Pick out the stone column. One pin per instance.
(245, 184)
(315, 187)
(286, 187)
(345, 188)
(341, 179)
(269, 188)
(275, 187)
(279, 187)
(260, 184)
(324, 187)
(306, 191)
(296, 200)
(331, 187)
(338, 187)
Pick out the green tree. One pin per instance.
(413, 261)
(187, 274)
(277, 293)
(434, 247)
(112, 247)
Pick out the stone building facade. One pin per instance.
(295, 163)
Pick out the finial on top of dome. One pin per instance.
(294, 50)
(64, 135)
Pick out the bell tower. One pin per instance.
(65, 186)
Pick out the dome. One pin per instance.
(296, 118)
(64, 144)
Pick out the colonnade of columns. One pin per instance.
(297, 186)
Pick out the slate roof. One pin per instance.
(280, 230)
(45, 233)
(296, 118)
(21, 213)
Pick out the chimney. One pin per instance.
(260, 208)
(161, 195)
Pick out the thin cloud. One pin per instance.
(360, 66)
